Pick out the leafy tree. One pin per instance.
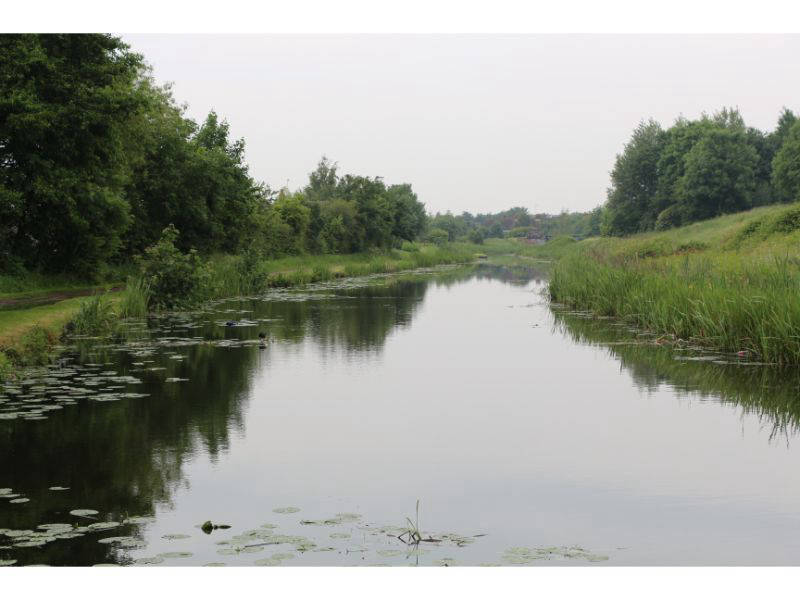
(477, 235)
(175, 278)
(322, 181)
(409, 213)
(67, 103)
(719, 175)
(438, 236)
(634, 181)
(297, 216)
(786, 165)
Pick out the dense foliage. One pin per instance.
(701, 169)
(96, 161)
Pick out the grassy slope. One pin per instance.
(13, 323)
(731, 282)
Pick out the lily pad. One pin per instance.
(104, 525)
(57, 488)
(267, 562)
(282, 556)
(83, 512)
(286, 510)
(7, 563)
(138, 520)
(176, 554)
(149, 560)
(19, 500)
(175, 536)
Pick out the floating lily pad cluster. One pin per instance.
(526, 556)
(48, 389)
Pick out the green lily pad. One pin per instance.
(215, 564)
(175, 536)
(114, 540)
(286, 510)
(149, 560)
(19, 500)
(340, 536)
(138, 520)
(103, 526)
(55, 527)
(267, 562)
(57, 488)
(7, 563)
(30, 544)
(83, 512)
(282, 556)
(176, 554)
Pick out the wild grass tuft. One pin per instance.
(135, 300)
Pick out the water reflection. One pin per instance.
(770, 393)
(473, 398)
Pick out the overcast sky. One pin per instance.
(477, 123)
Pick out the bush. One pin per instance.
(94, 316)
(668, 218)
(136, 298)
(477, 235)
(437, 236)
(519, 232)
(6, 368)
(35, 346)
(174, 278)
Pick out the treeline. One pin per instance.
(699, 169)
(516, 222)
(96, 160)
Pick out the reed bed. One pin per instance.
(738, 293)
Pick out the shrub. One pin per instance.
(35, 346)
(668, 218)
(6, 368)
(477, 235)
(519, 232)
(175, 278)
(136, 298)
(438, 236)
(94, 316)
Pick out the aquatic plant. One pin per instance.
(6, 368)
(95, 316)
(135, 300)
(703, 283)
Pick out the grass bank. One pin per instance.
(236, 275)
(26, 331)
(731, 283)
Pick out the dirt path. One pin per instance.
(26, 301)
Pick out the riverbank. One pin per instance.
(228, 276)
(729, 283)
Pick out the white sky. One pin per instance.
(473, 122)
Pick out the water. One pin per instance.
(525, 425)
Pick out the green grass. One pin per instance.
(730, 283)
(235, 275)
(135, 299)
(228, 276)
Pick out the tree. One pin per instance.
(322, 181)
(719, 175)
(634, 181)
(786, 165)
(409, 213)
(67, 103)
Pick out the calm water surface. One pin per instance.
(552, 437)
